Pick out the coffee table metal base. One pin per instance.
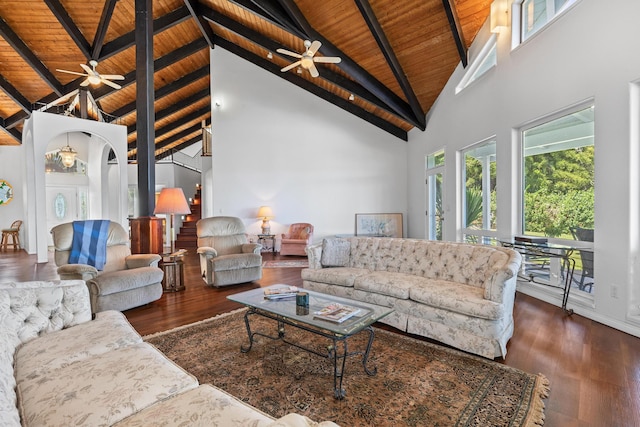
(333, 353)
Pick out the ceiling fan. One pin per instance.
(94, 78)
(307, 60)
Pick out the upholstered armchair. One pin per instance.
(226, 258)
(126, 281)
(296, 240)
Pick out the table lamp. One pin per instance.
(172, 201)
(266, 214)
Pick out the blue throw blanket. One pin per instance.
(90, 243)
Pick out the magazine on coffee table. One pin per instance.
(337, 313)
(279, 293)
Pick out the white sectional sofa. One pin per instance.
(456, 293)
(60, 368)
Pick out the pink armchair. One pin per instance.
(296, 240)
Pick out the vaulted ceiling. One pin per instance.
(396, 57)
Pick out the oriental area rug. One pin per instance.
(417, 383)
(296, 263)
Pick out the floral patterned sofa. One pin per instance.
(60, 368)
(457, 293)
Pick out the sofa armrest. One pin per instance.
(142, 260)
(77, 272)
(314, 253)
(248, 248)
(208, 252)
(497, 287)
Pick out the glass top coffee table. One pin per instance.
(286, 312)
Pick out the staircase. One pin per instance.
(187, 238)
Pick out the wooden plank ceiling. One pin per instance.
(396, 56)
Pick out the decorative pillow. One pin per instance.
(335, 252)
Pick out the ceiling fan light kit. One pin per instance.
(307, 59)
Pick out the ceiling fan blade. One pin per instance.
(327, 59)
(71, 72)
(112, 76)
(288, 52)
(313, 71)
(85, 82)
(290, 66)
(112, 84)
(314, 47)
(88, 70)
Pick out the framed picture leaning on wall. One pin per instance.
(379, 225)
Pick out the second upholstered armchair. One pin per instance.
(226, 258)
(125, 281)
(296, 240)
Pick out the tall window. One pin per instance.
(537, 13)
(479, 191)
(558, 175)
(435, 181)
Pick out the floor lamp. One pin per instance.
(171, 201)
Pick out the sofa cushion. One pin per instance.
(109, 331)
(456, 297)
(9, 415)
(236, 261)
(122, 280)
(103, 389)
(341, 276)
(335, 252)
(396, 285)
(205, 406)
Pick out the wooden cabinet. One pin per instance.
(147, 235)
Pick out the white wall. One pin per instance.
(275, 144)
(588, 53)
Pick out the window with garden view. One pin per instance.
(558, 175)
(479, 192)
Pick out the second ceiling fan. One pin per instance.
(307, 59)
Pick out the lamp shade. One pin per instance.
(172, 201)
(265, 212)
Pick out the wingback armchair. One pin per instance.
(296, 240)
(226, 258)
(125, 282)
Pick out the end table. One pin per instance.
(263, 237)
(173, 267)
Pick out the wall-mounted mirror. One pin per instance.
(6, 192)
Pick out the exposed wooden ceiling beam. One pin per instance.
(314, 89)
(160, 24)
(271, 45)
(165, 90)
(387, 50)
(103, 26)
(186, 102)
(34, 62)
(194, 9)
(179, 135)
(179, 147)
(194, 115)
(69, 26)
(15, 94)
(104, 90)
(273, 13)
(352, 68)
(456, 30)
(14, 133)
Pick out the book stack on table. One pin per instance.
(279, 293)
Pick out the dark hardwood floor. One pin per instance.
(594, 370)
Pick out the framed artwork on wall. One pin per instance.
(6, 192)
(379, 225)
